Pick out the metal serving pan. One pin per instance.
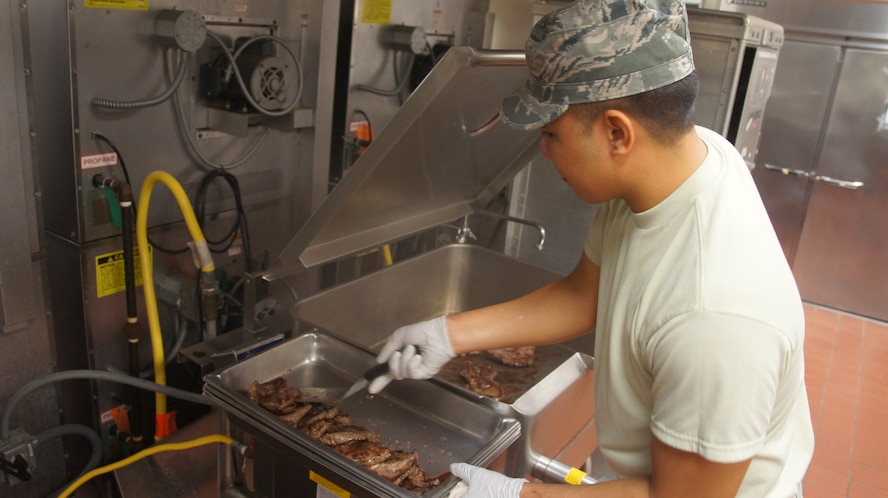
(441, 425)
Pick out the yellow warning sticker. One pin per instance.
(110, 275)
(329, 488)
(117, 4)
(376, 11)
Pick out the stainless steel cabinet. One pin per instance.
(843, 249)
(791, 132)
(826, 131)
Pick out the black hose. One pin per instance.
(132, 329)
(240, 223)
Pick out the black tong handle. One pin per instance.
(377, 371)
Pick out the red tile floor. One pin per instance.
(847, 378)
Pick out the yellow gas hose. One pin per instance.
(206, 265)
(213, 438)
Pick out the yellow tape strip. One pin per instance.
(575, 476)
(329, 486)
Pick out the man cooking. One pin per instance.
(699, 365)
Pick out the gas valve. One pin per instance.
(17, 457)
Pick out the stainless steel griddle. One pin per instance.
(444, 156)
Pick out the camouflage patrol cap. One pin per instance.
(594, 50)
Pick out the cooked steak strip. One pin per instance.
(296, 415)
(330, 426)
(481, 378)
(320, 412)
(275, 395)
(258, 390)
(399, 462)
(341, 434)
(419, 482)
(412, 472)
(316, 430)
(366, 452)
(521, 356)
(282, 401)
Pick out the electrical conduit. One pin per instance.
(165, 424)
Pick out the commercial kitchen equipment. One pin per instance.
(416, 416)
(736, 57)
(443, 157)
(821, 165)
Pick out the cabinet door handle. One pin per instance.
(849, 184)
(787, 171)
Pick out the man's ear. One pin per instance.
(621, 133)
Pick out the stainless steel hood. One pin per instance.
(445, 153)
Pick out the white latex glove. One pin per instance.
(485, 483)
(416, 351)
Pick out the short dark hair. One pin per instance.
(666, 112)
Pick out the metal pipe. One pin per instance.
(506, 217)
(553, 471)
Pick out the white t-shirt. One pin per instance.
(700, 331)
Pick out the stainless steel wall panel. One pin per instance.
(115, 55)
(25, 345)
(18, 294)
(52, 122)
(374, 62)
(539, 194)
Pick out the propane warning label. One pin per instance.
(117, 4)
(110, 276)
(92, 161)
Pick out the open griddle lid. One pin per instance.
(445, 153)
